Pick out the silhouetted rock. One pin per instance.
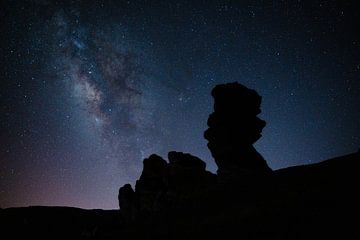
(151, 183)
(154, 168)
(164, 186)
(187, 177)
(128, 201)
(306, 202)
(187, 172)
(186, 160)
(233, 128)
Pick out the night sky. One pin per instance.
(90, 88)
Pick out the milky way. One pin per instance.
(109, 91)
(91, 88)
(106, 81)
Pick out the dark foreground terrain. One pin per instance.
(318, 201)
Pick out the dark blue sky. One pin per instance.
(90, 89)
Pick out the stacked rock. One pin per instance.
(233, 129)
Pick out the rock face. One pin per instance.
(128, 201)
(151, 184)
(164, 185)
(233, 129)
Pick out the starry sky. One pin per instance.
(90, 88)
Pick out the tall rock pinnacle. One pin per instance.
(233, 129)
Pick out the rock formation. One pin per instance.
(128, 201)
(164, 185)
(233, 129)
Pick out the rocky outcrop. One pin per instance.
(179, 199)
(187, 173)
(152, 183)
(128, 202)
(164, 185)
(233, 129)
